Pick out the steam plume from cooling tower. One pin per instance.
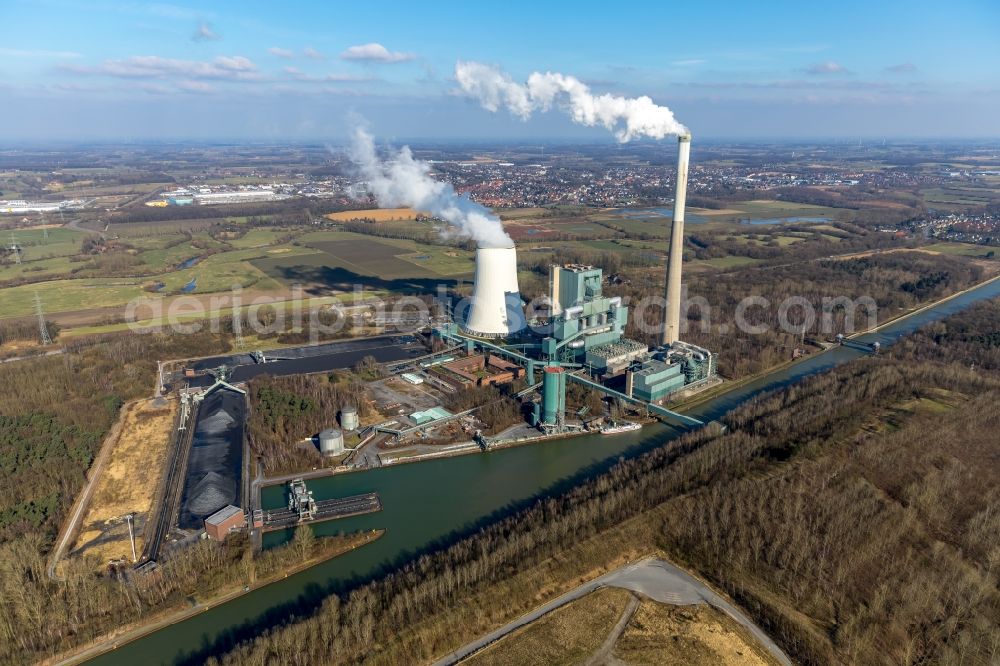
(406, 181)
(625, 117)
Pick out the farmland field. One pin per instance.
(370, 257)
(440, 259)
(637, 220)
(964, 249)
(376, 214)
(344, 260)
(218, 272)
(957, 196)
(725, 262)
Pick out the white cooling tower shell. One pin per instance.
(496, 309)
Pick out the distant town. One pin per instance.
(936, 199)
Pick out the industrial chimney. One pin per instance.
(496, 310)
(672, 314)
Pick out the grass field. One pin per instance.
(218, 272)
(785, 241)
(440, 259)
(217, 305)
(257, 238)
(705, 218)
(568, 635)
(962, 196)
(962, 249)
(129, 230)
(61, 242)
(41, 256)
(725, 262)
(36, 269)
(341, 260)
(369, 257)
(330, 258)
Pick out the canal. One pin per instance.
(432, 503)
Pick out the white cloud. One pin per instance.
(299, 75)
(313, 54)
(375, 52)
(280, 52)
(155, 88)
(902, 68)
(237, 68)
(828, 67)
(689, 62)
(204, 33)
(195, 86)
(36, 53)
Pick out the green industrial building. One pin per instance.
(655, 380)
(429, 415)
(588, 327)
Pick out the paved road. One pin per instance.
(75, 226)
(652, 578)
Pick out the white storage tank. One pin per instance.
(349, 418)
(331, 442)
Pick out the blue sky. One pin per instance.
(270, 71)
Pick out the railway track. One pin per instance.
(170, 492)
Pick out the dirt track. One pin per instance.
(652, 578)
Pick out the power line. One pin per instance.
(15, 248)
(43, 330)
(238, 326)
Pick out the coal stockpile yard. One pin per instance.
(321, 358)
(213, 471)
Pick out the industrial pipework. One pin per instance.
(672, 314)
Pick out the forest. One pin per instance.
(55, 416)
(894, 281)
(852, 514)
(284, 411)
(40, 616)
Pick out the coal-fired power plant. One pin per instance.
(496, 309)
(672, 314)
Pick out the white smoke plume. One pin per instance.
(625, 117)
(406, 181)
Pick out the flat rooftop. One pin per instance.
(577, 268)
(223, 514)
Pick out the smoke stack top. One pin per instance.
(626, 118)
(406, 181)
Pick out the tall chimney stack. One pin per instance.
(672, 315)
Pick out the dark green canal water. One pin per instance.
(428, 504)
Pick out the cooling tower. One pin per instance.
(496, 309)
(672, 315)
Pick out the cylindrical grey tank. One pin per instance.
(331, 442)
(349, 418)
